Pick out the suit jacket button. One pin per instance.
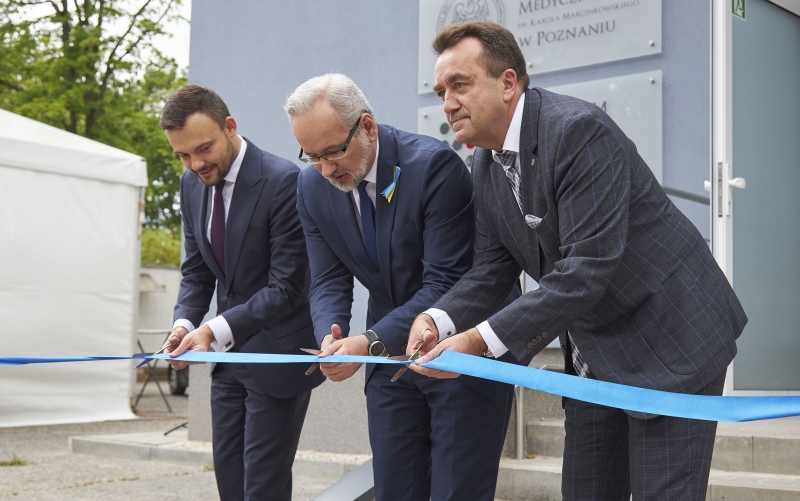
(544, 334)
(531, 345)
(231, 295)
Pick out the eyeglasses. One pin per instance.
(334, 155)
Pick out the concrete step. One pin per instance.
(536, 404)
(535, 479)
(177, 448)
(771, 446)
(539, 479)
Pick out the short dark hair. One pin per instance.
(500, 49)
(191, 99)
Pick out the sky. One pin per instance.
(177, 46)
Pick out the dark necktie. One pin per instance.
(368, 223)
(218, 226)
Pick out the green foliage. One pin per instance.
(161, 247)
(89, 67)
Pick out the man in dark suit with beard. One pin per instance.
(394, 210)
(242, 237)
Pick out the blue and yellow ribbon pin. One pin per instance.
(389, 191)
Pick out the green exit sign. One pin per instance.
(738, 8)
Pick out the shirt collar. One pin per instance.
(511, 142)
(237, 163)
(372, 175)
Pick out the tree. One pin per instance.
(89, 67)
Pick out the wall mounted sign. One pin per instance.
(633, 101)
(553, 34)
(738, 8)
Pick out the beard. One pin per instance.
(358, 175)
(230, 156)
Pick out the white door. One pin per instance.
(755, 197)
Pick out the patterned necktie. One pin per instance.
(581, 367)
(218, 226)
(508, 159)
(368, 223)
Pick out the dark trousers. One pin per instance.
(255, 436)
(436, 439)
(609, 455)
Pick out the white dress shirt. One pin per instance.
(444, 324)
(372, 188)
(223, 337)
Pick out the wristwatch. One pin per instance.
(376, 346)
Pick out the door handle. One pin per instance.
(738, 182)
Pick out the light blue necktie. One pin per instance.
(368, 223)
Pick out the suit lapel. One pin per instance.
(246, 193)
(527, 146)
(385, 211)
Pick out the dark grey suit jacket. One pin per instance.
(264, 294)
(617, 263)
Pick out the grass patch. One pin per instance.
(128, 479)
(208, 467)
(15, 461)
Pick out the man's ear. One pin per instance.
(509, 81)
(370, 126)
(230, 126)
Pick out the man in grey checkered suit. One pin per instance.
(625, 280)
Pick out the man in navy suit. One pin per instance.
(243, 238)
(394, 210)
(625, 280)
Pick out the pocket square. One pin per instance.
(532, 220)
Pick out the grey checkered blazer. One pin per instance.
(617, 263)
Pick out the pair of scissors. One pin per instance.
(402, 370)
(414, 356)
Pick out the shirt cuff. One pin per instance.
(444, 324)
(492, 341)
(223, 337)
(182, 322)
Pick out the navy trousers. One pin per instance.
(255, 436)
(609, 455)
(434, 439)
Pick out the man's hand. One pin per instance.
(469, 342)
(174, 339)
(198, 340)
(423, 332)
(333, 344)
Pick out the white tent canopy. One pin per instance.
(69, 252)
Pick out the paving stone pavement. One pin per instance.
(57, 475)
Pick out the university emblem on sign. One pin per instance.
(460, 11)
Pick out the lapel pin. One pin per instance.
(389, 191)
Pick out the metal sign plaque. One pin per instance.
(553, 34)
(633, 101)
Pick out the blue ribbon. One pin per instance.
(732, 409)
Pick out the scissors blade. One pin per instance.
(148, 355)
(404, 368)
(315, 365)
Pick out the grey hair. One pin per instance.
(339, 90)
